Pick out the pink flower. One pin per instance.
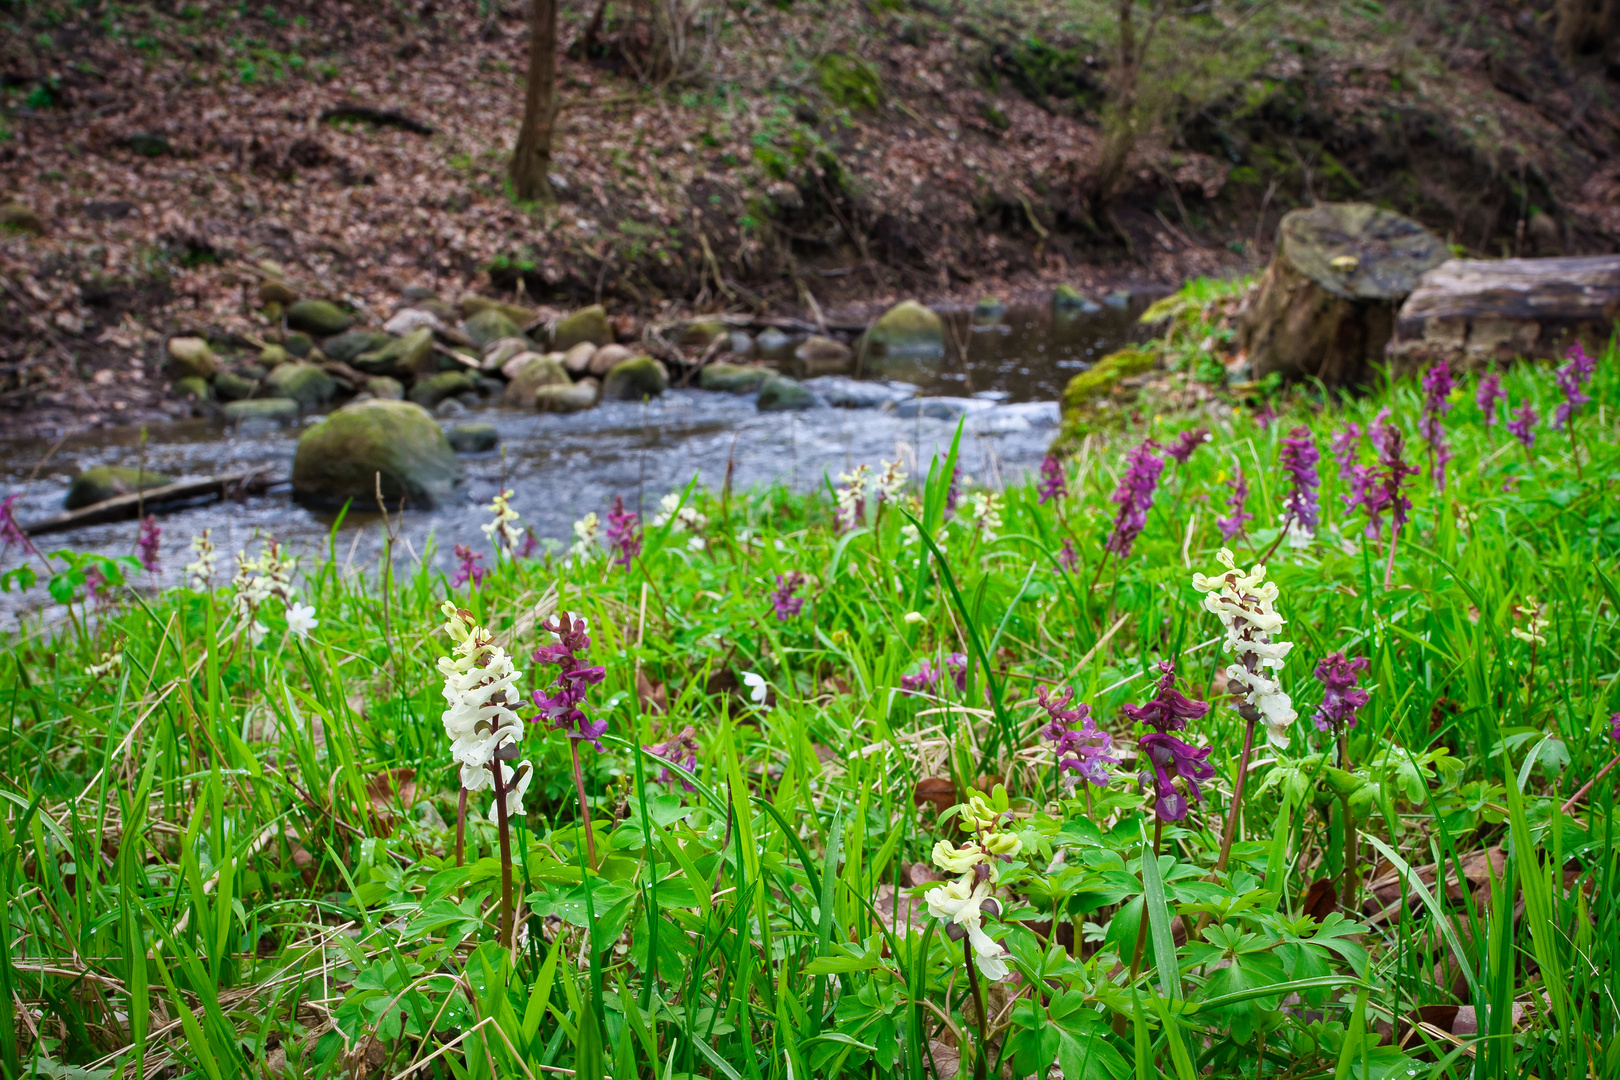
(1134, 497)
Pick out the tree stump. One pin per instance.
(1477, 312)
(1325, 307)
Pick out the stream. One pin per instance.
(562, 466)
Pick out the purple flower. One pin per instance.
(681, 751)
(623, 532)
(1183, 447)
(10, 531)
(1264, 415)
(469, 570)
(1345, 446)
(1523, 424)
(561, 710)
(787, 605)
(1391, 478)
(1170, 709)
(1487, 394)
(1231, 526)
(1572, 378)
(530, 542)
(1066, 555)
(1081, 747)
(1134, 497)
(1437, 386)
(1614, 726)
(1170, 758)
(1054, 482)
(146, 544)
(923, 682)
(1299, 458)
(1341, 697)
(956, 664)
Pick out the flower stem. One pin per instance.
(461, 825)
(1142, 927)
(981, 1049)
(505, 829)
(584, 809)
(1237, 796)
(1351, 881)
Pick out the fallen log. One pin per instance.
(385, 117)
(1325, 308)
(1477, 312)
(158, 500)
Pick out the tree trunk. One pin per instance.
(1586, 28)
(1325, 308)
(1119, 125)
(530, 169)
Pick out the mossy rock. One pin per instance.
(272, 356)
(345, 347)
(488, 326)
(428, 392)
(233, 387)
(733, 378)
(1068, 300)
(304, 383)
(472, 305)
(818, 355)
(634, 379)
(298, 344)
(473, 438)
(587, 324)
(905, 339)
(108, 482)
(701, 333)
(262, 412)
(385, 388)
(989, 310)
(773, 344)
(1100, 379)
(395, 442)
(530, 374)
(194, 388)
(575, 397)
(190, 357)
(276, 291)
(321, 318)
(782, 394)
(400, 357)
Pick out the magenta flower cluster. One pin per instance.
(1299, 458)
(1487, 394)
(146, 544)
(782, 599)
(1380, 489)
(623, 532)
(10, 531)
(679, 750)
(560, 709)
(1341, 696)
(928, 676)
(1437, 387)
(1081, 747)
(1054, 481)
(1523, 424)
(1134, 497)
(1233, 525)
(471, 568)
(1186, 443)
(1572, 378)
(1170, 710)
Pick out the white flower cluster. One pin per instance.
(258, 580)
(684, 517)
(851, 498)
(985, 509)
(200, 573)
(585, 533)
(480, 686)
(1244, 601)
(962, 904)
(890, 484)
(110, 663)
(502, 530)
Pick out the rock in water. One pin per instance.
(473, 438)
(530, 373)
(321, 318)
(190, 357)
(989, 310)
(233, 387)
(304, 383)
(428, 392)
(489, 326)
(634, 379)
(773, 344)
(607, 358)
(575, 397)
(109, 481)
(700, 333)
(405, 320)
(261, 413)
(735, 378)
(400, 357)
(342, 457)
(905, 339)
(345, 347)
(381, 386)
(782, 394)
(1068, 300)
(194, 388)
(1325, 307)
(587, 324)
(818, 355)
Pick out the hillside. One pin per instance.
(151, 156)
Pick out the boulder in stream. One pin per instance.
(306, 384)
(233, 387)
(322, 318)
(608, 357)
(473, 438)
(733, 378)
(190, 357)
(578, 359)
(634, 379)
(345, 347)
(905, 338)
(429, 391)
(1068, 300)
(109, 481)
(343, 457)
(782, 394)
(261, 413)
(587, 324)
(526, 374)
(817, 355)
(489, 326)
(400, 357)
(385, 389)
(569, 398)
(473, 304)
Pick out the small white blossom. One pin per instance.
(301, 619)
(110, 662)
(502, 530)
(200, 572)
(961, 902)
(684, 518)
(1245, 603)
(851, 498)
(985, 510)
(890, 484)
(757, 687)
(585, 533)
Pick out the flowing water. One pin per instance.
(561, 467)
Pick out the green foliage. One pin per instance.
(850, 82)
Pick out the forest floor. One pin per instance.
(846, 155)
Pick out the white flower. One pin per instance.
(502, 530)
(696, 544)
(301, 619)
(914, 617)
(200, 572)
(851, 498)
(516, 782)
(757, 687)
(960, 902)
(479, 685)
(110, 662)
(585, 530)
(1245, 603)
(683, 517)
(256, 633)
(890, 484)
(986, 513)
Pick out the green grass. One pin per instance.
(219, 860)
